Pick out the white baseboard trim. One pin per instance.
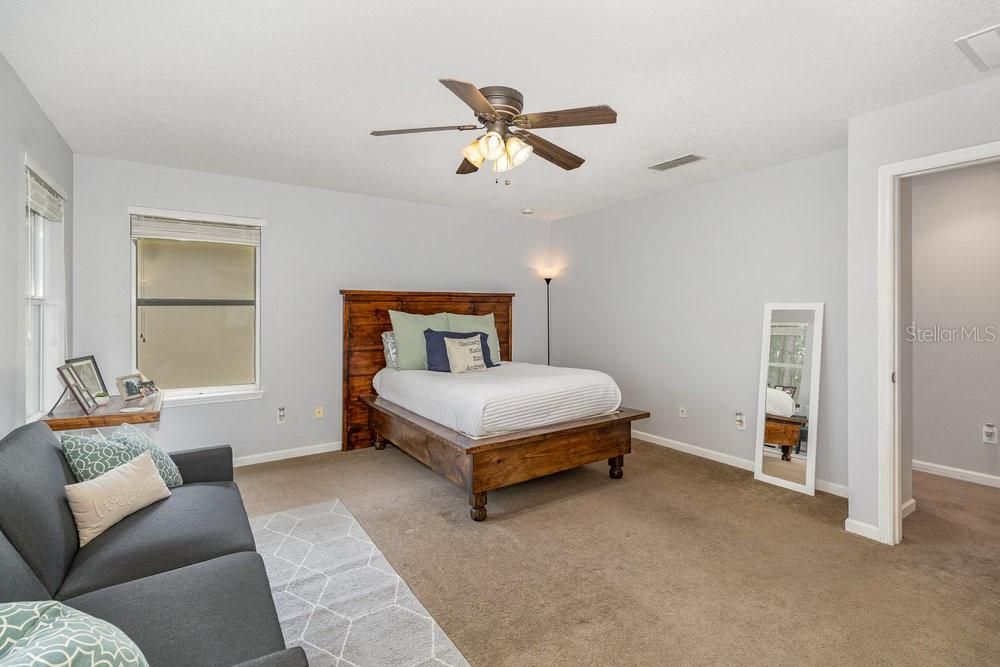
(711, 454)
(280, 454)
(861, 528)
(831, 488)
(909, 507)
(728, 459)
(957, 473)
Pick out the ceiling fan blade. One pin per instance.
(414, 130)
(599, 115)
(469, 94)
(549, 151)
(467, 168)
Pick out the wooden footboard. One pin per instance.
(485, 464)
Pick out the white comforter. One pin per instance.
(510, 397)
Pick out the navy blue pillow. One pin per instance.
(437, 353)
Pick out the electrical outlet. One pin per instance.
(281, 415)
(318, 412)
(682, 411)
(989, 434)
(741, 420)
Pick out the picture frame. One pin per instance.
(76, 387)
(90, 375)
(148, 388)
(130, 386)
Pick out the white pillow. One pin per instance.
(465, 354)
(777, 402)
(104, 501)
(389, 349)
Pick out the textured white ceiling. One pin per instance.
(288, 91)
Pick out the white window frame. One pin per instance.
(201, 395)
(43, 297)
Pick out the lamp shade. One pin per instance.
(491, 145)
(472, 154)
(502, 163)
(548, 272)
(518, 151)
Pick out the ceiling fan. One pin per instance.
(507, 141)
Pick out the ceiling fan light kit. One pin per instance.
(491, 145)
(473, 155)
(507, 142)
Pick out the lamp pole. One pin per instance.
(548, 339)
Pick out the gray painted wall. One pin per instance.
(957, 118)
(954, 230)
(316, 242)
(667, 295)
(24, 128)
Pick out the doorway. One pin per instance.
(893, 466)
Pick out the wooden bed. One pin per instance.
(478, 465)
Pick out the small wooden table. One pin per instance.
(67, 416)
(784, 432)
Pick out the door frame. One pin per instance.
(890, 512)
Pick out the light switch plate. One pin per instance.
(318, 412)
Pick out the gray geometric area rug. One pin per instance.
(339, 599)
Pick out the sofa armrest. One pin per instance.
(207, 464)
(290, 657)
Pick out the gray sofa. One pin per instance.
(180, 577)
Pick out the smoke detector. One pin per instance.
(677, 162)
(982, 48)
(527, 211)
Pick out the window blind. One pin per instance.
(42, 199)
(147, 227)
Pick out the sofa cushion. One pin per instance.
(17, 581)
(50, 633)
(197, 522)
(89, 457)
(102, 502)
(219, 612)
(33, 511)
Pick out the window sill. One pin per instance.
(184, 398)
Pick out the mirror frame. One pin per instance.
(814, 386)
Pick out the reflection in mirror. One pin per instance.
(789, 392)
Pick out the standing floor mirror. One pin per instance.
(788, 404)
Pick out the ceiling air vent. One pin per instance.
(982, 48)
(677, 162)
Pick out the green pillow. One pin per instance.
(91, 457)
(50, 633)
(473, 323)
(411, 347)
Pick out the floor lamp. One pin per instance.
(547, 274)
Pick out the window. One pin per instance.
(45, 281)
(196, 309)
(787, 355)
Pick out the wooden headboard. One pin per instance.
(366, 316)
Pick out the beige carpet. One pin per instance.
(684, 561)
(791, 471)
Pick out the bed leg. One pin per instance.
(616, 463)
(379, 442)
(478, 502)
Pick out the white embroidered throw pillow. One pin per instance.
(465, 354)
(104, 501)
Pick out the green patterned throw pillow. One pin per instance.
(50, 633)
(91, 457)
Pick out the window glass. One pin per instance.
(196, 313)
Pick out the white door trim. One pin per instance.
(890, 511)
